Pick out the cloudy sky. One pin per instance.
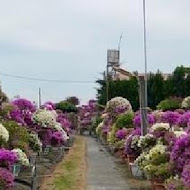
(68, 40)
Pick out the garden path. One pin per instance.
(102, 173)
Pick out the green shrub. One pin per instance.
(66, 106)
(125, 121)
(18, 136)
(169, 104)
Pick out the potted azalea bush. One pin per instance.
(180, 160)
(155, 164)
(22, 160)
(132, 149)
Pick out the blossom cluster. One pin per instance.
(45, 118)
(21, 157)
(4, 134)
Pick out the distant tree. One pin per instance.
(73, 100)
(155, 89)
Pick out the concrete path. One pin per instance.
(102, 171)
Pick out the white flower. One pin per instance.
(178, 134)
(4, 134)
(22, 158)
(160, 126)
(186, 102)
(58, 127)
(45, 118)
(37, 144)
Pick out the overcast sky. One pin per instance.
(68, 40)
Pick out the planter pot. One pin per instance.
(157, 184)
(136, 171)
(16, 169)
(120, 153)
(131, 158)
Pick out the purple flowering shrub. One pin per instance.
(131, 146)
(170, 117)
(22, 112)
(137, 120)
(48, 105)
(7, 158)
(6, 179)
(184, 120)
(86, 113)
(65, 122)
(121, 134)
(57, 138)
(180, 154)
(185, 176)
(23, 104)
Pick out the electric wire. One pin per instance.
(43, 79)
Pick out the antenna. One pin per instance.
(120, 38)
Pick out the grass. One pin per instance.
(70, 173)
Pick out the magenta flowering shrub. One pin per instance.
(87, 112)
(65, 122)
(137, 120)
(23, 104)
(7, 158)
(170, 117)
(131, 146)
(6, 179)
(22, 113)
(180, 154)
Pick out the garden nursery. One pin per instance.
(28, 134)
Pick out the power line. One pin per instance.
(44, 80)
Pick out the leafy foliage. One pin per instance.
(125, 120)
(66, 106)
(169, 104)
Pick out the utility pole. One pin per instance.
(40, 97)
(143, 81)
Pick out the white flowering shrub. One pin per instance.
(118, 103)
(22, 158)
(35, 142)
(45, 118)
(160, 127)
(186, 103)
(179, 134)
(4, 134)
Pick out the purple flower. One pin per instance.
(170, 117)
(7, 158)
(49, 105)
(45, 136)
(184, 119)
(137, 120)
(57, 138)
(180, 154)
(186, 175)
(130, 147)
(24, 104)
(121, 134)
(6, 179)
